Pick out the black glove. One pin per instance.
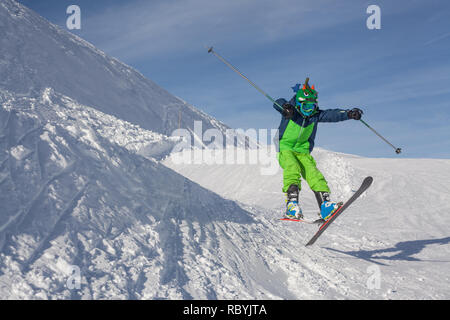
(288, 110)
(355, 113)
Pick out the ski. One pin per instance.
(317, 221)
(364, 186)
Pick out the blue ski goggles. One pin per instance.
(306, 108)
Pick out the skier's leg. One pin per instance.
(321, 196)
(318, 184)
(291, 169)
(292, 193)
(291, 182)
(293, 209)
(311, 174)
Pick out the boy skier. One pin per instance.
(297, 131)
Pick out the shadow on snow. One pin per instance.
(402, 251)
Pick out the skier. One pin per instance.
(297, 131)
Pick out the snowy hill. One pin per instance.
(88, 196)
(398, 230)
(35, 54)
(74, 191)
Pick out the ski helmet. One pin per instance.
(306, 99)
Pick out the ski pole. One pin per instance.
(397, 150)
(210, 50)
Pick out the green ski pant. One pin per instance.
(296, 165)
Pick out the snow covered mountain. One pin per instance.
(75, 191)
(91, 207)
(35, 54)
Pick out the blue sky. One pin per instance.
(399, 75)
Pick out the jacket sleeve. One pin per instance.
(333, 115)
(280, 101)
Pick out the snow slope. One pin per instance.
(35, 54)
(392, 243)
(74, 191)
(88, 197)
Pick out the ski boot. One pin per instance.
(293, 210)
(327, 208)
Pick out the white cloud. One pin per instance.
(147, 28)
(437, 39)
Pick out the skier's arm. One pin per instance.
(333, 115)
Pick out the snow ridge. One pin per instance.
(35, 54)
(75, 192)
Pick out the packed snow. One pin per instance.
(392, 243)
